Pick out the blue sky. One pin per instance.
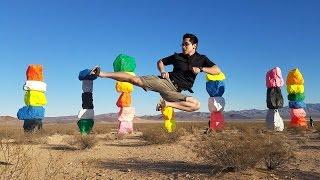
(245, 38)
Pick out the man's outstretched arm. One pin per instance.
(212, 70)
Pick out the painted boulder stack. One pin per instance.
(296, 95)
(126, 64)
(215, 87)
(33, 113)
(86, 114)
(274, 100)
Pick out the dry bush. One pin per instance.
(53, 168)
(160, 136)
(15, 162)
(298, 130)
(62, 129)
(247, 127)
(230, 151)
(17, 136)
(103, 128)
(31, 138)
(192, 127)
(277, 150)
(146, 126)
(82, 141)
(71, 131)
(10, 132)
(235, 151)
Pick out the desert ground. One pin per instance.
(60, 152)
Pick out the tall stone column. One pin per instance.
(33, 113)
(274, 82)
(296, 95)
(215, 87)
(86, 114)
(126, 64)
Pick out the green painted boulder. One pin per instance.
(296, 97)
(124, 63)
(85, 126)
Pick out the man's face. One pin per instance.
(188, 47)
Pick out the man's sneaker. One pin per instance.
(161, 105)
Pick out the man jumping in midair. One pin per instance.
(186, 66)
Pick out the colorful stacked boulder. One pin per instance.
(126, 64)
(168, 117)
(215, 87)
(295, 89)
(34, 98)
(274, 100)
(86, 114)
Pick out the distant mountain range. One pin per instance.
(312, 110)
(252, 114)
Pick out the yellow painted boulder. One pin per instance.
(295, 89)
(35, 98)
(124, 87)
(216, 77)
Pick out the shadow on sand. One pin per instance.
(61, 148)
(140, 144)
(5, 163)
(310, 147)
(166, 167)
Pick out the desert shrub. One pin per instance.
(82, 141)
(15, 162)
(145, 126)
(101, 128)
(160, 136)
(49, 129)
(9, 132)
(247, 127)
(53, 167)
(297, 130)
(193, 124)
(192, 127)
(32, 138)
(230, 151)
(236, 151)
(277, 150)
(70, 131)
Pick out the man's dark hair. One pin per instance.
(193, 38)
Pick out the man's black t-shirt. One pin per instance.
(182, 74)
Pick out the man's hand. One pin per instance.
(196, 70)
(165, 75)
